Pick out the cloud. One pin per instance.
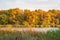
(30, 4)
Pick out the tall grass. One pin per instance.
(29, 35)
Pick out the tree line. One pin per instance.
(18, 16)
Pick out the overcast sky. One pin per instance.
(30, 4)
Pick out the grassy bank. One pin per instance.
(29, 26)
(29, 35)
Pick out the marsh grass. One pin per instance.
(29, 35)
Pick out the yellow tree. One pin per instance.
(47, 19)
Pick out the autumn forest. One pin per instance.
(16, 16)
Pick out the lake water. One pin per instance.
(32, 29)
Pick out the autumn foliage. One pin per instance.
(27, 17)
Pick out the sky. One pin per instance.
(30, 4)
